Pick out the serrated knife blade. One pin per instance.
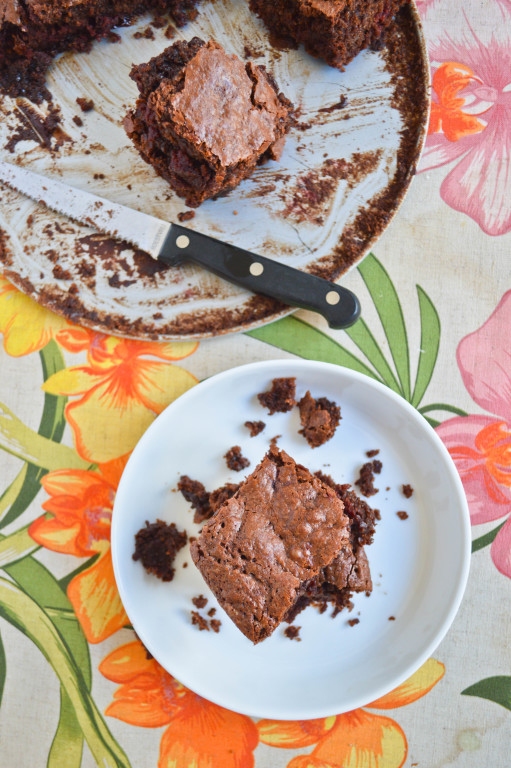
(140, 229)
(173, 243)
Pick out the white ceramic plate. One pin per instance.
(419, 565)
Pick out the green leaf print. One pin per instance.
(497, 689)
(430, 343)
(24, 613)
(67, 745)
(51, 426)
(487, 539)
(388, 306)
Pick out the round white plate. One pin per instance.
(419, 565)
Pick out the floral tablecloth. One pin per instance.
(76, 686)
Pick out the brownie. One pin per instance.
(281, 396)
(156, 546)
(366, 480)
(203, 502)
(32, 32)
(205, 119)
(319, 418)
(262, 548)
(334, 30)
(235, 459)
(255, 427)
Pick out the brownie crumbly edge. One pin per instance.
(157, 545)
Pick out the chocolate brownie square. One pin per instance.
(267, 543)
(334, 30)
(205, 119)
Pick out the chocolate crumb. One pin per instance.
(281, 397)
(352, 622)
(185, 564)
(319, 418)
(366, 480)
(407, 491)
(293, 632)
(77, 121)
(200, 601)
(186, 215)
(211, 611)
(86, 105)
(273, 441)
(157, 545)
(199, 621)
(235, 459)
(372, 453)
(215, 625)
(255, 427)
(392, 618)
(402, 515)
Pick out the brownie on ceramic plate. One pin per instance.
(262, 549)
(205, 119)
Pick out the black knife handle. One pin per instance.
(338, 305)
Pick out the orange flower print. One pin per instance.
(357, 739)
(199, 734)
(81, 503)
(447, 113)
(27, 327)
(119, 392)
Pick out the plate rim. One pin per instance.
(464, 516)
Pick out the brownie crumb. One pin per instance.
(319, 417)
(392, 618)
(200, 601)
(185, 564)
(255, 427)
(205, 504)
(366, 480)
(407, 491)
(199, 621)
(371, 454)
(86, 105)
(273, 441)
(402, 515)
(352, 622)
(195, 493)
(362, 516)
(377, 514)
(215, 625)
(293, 632)
(157, 545)
(186, 215)
(77, 121)
(211, 612)
(235, 459)
(281, 397)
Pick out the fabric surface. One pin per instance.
(76, 686)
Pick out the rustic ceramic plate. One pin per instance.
(419, 565)
(342, 176)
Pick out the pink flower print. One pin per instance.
(471, 123)
(481, 445)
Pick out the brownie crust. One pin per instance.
(334, 30)
(273, 537)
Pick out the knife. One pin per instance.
(173, 243)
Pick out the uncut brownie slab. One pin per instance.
(262, 548)
(33, 31)
(204, 118)
(334, 30)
